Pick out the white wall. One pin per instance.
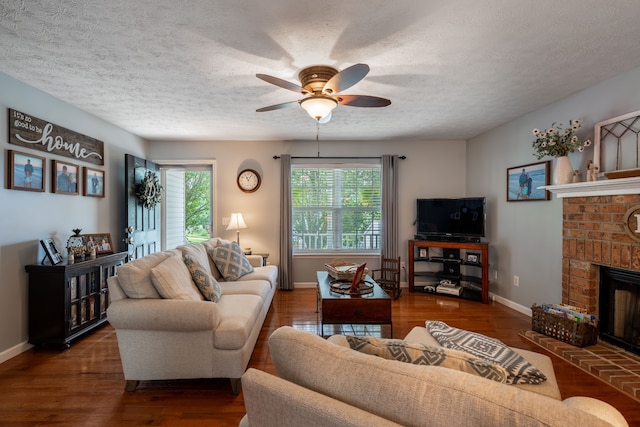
(26, 217)
(526, 238)
(432, 169)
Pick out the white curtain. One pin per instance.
(286, 255)
(389, 206)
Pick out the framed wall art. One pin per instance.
(523, 182)
(93, 182)
(26, 171)
(51, 251)
(64, 177)
(101, 241)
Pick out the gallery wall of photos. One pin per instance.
(30, 172)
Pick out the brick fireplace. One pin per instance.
(594, 235)
(601, 257)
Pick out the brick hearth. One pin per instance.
(594, 235)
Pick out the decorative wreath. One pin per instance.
(150, 193)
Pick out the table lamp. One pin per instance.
(237, 223)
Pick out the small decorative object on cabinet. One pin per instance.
(68, 300)
(51, 251)
(101, 242)
(464, 275)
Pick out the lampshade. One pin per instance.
(318, 106)
(236, 222)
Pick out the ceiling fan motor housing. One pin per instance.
(314, 78)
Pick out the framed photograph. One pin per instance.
(473, 258)
(523, 182)
(64, 177)
(93, 182)
(52, 251)
(423, 253)
(101, 241)
(26, 171)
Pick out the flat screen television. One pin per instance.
(451, 219)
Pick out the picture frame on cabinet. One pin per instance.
(423, 252)
(523, 182)
(64, 179)
(26, 171)
(101, 241)
(473, 258)
(51, 251)
(93, 182)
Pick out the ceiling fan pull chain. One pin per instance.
(317, 136)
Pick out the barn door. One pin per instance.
(145, 222)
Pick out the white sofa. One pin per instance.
(185, 336)
(322, 383)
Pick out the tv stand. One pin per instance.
(474, 259)
(457, 239)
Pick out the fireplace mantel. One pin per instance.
(606, 187)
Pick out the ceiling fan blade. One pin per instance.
(277, 106)
(281, 83)
(346, 78)
(362, 101)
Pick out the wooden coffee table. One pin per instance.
(373, 308)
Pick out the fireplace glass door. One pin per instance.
(620, 307)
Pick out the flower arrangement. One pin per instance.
(150, 192)
(557, 142)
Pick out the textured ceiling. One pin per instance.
(185, 69)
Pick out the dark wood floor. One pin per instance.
(84, 386)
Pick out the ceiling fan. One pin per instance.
(322, 84)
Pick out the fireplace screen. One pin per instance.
(620, 307)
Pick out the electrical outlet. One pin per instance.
(402, 266)
(495, 274)
(516, 281)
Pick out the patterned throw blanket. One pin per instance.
(490, 349)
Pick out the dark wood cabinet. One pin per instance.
(464, 265)
(68, 300)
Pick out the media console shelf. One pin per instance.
(68, 300)
(464, 265)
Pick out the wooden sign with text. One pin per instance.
(32, 132)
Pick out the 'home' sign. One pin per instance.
(32, 132)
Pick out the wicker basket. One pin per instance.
(567, 330)
(342, 270)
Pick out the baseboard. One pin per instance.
(14, 351)
(515, 306)
(493, 297)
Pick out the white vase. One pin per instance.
(563, 171)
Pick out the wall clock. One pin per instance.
(248, 180)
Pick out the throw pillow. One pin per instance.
(135, 278)
(172, 280)
(230, 260)
(423, 354)
(208, 286)
(490, 349)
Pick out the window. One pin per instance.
(336, 207)
(187, 204)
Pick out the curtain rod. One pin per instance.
(276, 157)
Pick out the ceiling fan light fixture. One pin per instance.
(318, 106)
